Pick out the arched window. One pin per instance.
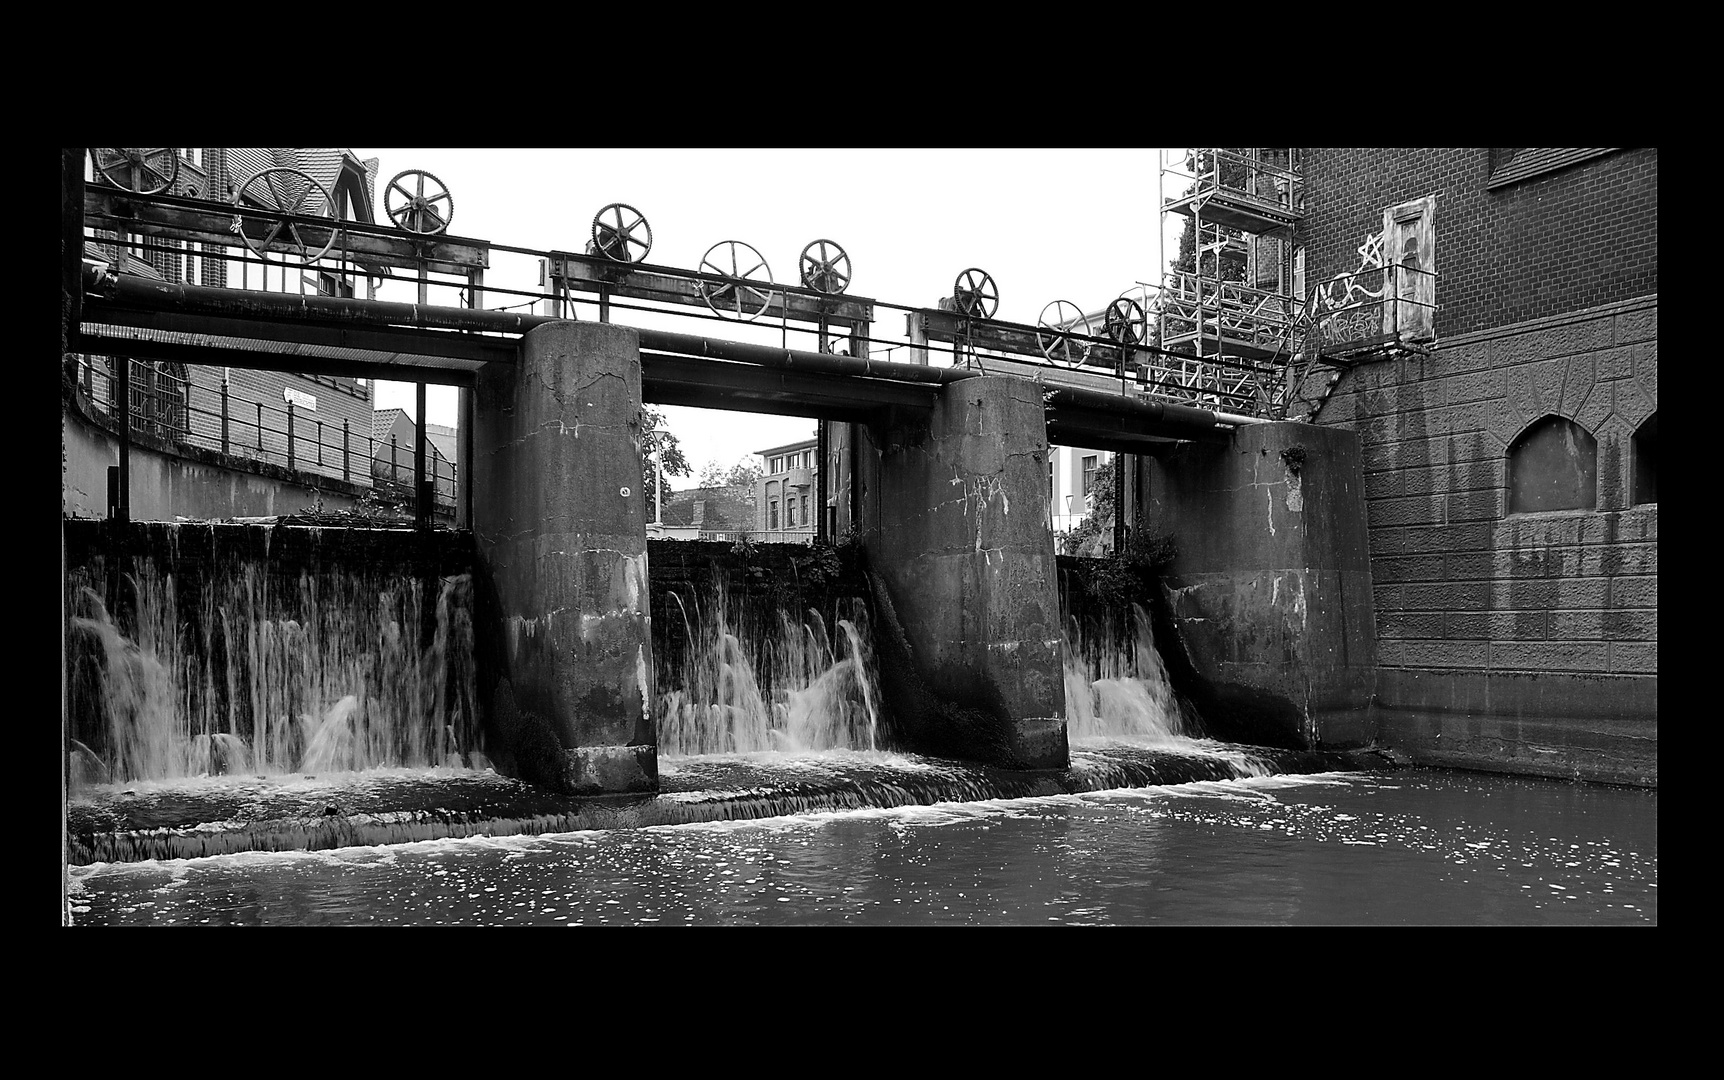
(159, 398)
(1553, 465)
(1646, 462)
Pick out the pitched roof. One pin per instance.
(722, 512)
(381, 421)
(445, 439)
(325, 165)
(1530, 162)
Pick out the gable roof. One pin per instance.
(337, 170)
(722, 512)
(382, 421)
(1530, 162)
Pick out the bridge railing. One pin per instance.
(179, 238)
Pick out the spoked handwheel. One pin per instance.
(974, 294)
(749, 294)
(418, 202)
(1059, 321)
(137, 169)
(825, 267)
(1124, 322)
(282, 194)
(621, 233)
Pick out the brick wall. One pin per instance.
(1548, 307)
(1460, 583)
(1573, 239)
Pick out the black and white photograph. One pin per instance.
(879, 537)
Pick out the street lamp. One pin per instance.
(658, 476)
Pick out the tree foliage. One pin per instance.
(1094, 534)
(653, 443)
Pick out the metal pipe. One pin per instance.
(795, 359)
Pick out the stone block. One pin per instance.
(1640, 656)
(1550, 656)
(1636, 326)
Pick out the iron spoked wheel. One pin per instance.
(974, 294)
(274, 197)
(825, 267)
(743, 296)
(1059, 321)
(1124, 322)
(139, 170)
(419, 202)
(621, 233)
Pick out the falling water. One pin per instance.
(1117, 686)
(269, 674)
(795, 687)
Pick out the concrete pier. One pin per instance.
(559, 523)
(954, 521)
(1271, 588)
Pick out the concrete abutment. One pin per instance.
(954, 522)
(1270, 591)
(559, 524)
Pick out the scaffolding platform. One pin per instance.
(1230, 189)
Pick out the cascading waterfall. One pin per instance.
(1117, 686)
(797, 687)
(269, 674)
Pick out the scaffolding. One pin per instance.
(1241, 328)
(1229, 323)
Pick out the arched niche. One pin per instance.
(1645, 454)
(1553, 465)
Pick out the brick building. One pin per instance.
(1510, 460)
(786, 498)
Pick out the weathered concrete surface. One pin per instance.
(955, 527)
(559, 521)
(1601, 728)
(1270, 591)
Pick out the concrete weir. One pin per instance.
(559, 524)
(954, 521)
(1270, 591)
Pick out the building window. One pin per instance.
(1553, 465)
(772, 514)
(805, 519)
(777, 465)
(1645, 450)
(1089, 467)
(790, 512)
(159, 397)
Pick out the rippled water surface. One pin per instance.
(1410, 846)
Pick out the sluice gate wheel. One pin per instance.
(742, 296)
(1124, 322)
(621, 234)
(1054, 333)
(974, 294)
(826, 270)
(289, 192)
(410, 208)
(139, 170)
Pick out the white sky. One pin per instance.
(1054, 224)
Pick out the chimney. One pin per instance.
(699, 511)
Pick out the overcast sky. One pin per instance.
(1046, 225)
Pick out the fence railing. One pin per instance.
(167, 409)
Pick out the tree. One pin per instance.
(740, 481)
(1094, 534)
(652, 442)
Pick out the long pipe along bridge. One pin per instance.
(941, 470)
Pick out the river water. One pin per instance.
(1409, 846)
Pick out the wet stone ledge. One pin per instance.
(229, 815)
